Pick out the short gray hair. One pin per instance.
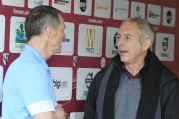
(39, 18)
(146, 30)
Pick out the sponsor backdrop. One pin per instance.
(91, 27)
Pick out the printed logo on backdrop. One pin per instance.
(75, 60)
(62, 80)
(68, 42)
(20, 34)
(102, 8)
(18, 3)
(2, 32)
(90, 40)
(115, 45)
(103, 62)
(62, 5)
(111, 42)
(58, 84)
(165, 46)
(88, 79)
(34, 3)
(83, 5)
(84, 79)
(120, 9)
(5, 58)
(169, 17)
(38, 2)
(66, 48)
(17, 34)
(137, 10)
(153, 15)
(61, 2)
(65, 42)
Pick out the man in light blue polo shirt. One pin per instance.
(28, 91)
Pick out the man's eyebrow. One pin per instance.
(127, 34)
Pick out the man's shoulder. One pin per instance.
(20, 64)
(23, 59)
(100, 75)
(20, 68)
(168, 75)
(102, 71)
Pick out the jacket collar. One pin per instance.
(165, 76)
(117, 61)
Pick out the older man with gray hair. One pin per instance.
(136, 85)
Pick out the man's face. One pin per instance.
(58, 36)
(129, 46)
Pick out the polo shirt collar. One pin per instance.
(37, 55)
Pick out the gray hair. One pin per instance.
(146, 31)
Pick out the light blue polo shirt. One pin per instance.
(28, 87)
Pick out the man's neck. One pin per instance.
(41, 47)
(134, 69)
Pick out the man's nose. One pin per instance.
(120, 41)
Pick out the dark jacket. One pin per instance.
(168, 99)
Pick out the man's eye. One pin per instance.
(117, 36)
(127, 37)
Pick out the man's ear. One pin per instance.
(146, 44)
(48, 32)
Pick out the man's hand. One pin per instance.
(60, 112)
